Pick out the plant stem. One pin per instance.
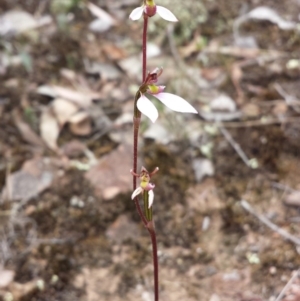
(150, 225)
(147, 220)
(151, 230)
(136, 126)
(145, 46)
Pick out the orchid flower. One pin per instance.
(150, 9)
(172, 101)
(145, 184)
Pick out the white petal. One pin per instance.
(147, 108)
(166, 14)
(136, 192)
(151, 198)
(175, 103)
(136, 13)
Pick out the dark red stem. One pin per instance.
(136, 124)
(145, 47)
(150, 225)
(155, 259)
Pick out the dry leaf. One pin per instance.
(266, 13)
(110, 175)
(104, 21)
(49, 128)
(26, 131)
(113, 52)
(80, 124)
(34, 177)
(82, 99)
(15, 22)
(100, 13)
(63, 110)
(73, 148)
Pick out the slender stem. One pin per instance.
(150, 225)
(136, 126)
(151, 230)
(147, 220)
(145, 47)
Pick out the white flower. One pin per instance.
(162, 11)
(150, 194)
(172, 101)
(145, 184)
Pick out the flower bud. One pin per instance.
(150, 8)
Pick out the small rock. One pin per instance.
(36, 176)
(251, 110)
(233, 276)
(293, 199)
(6, 277)
(280, 109)
(76, 202)
(223, 103)
(152, 50)
(111, 175)
(106, 71)
(205, 223)
(122, 229)
(214, 297)
(15, 22)
(132, 66)
(202, 168)
(159, 133)
(100, 25)
(272, 270)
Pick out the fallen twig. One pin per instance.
(262, 122)
(234, 144)
(286, 287)
(269, 224)
(291, 100)
(283, 187)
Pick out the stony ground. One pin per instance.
(227, 194)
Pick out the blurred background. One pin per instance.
(69, 70)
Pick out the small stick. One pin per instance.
(286, 287)
(290, 99)
(269, 224)
(235, 145)
(283, 187)
(261, 122)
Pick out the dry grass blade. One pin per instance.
(269, 224)
(290, 282)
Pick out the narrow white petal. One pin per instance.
(147, 108)
(136, 192)
(136, 13)
(151, 198)
(175, 103)
(166, 14)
